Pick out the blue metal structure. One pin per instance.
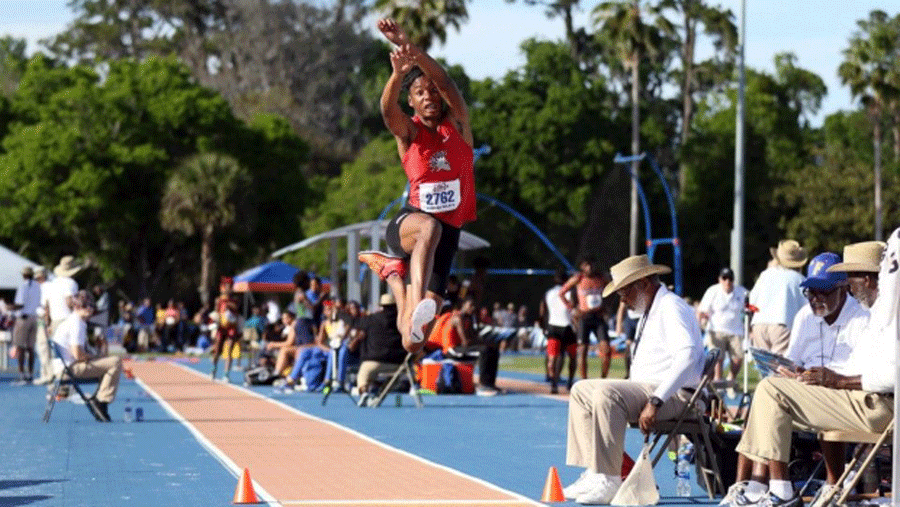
(652, 243)
(478, 153)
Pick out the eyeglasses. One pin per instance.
(821, 294)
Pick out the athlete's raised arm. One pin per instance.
(458, 110)
(394, 118)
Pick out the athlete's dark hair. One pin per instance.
(560, 275)
(411, 76)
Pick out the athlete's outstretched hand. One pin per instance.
(402, 59)
(392, 31)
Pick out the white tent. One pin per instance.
(11, 265)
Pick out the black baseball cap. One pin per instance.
(726, 273)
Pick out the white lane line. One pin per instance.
(517, 496)
(217, 453)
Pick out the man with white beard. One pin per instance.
(667, 355)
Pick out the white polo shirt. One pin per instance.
(71, 333)
(778, 296)
(668, 352)
(557, 313)
(54, 294)
(814, 342)
(725, 310)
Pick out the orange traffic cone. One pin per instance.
(552, 488)
(244, 492)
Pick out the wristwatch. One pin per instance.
(656, 401)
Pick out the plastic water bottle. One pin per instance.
(683, 471)
(129, 415)
(138, 414)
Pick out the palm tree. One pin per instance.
(425, 20)
(634, 39)
(868, 68)
(200, 198)
(716, 23)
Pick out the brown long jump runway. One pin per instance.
(298, 460)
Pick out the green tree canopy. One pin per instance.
(86, 160)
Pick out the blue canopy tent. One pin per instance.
(273, 276)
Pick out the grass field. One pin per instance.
(535, 364)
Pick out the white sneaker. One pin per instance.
(572, 491)
(421, 316)
(733, 491)
(600, 490)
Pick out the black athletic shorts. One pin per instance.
(565, 334)
(592, 322)
(443, 255)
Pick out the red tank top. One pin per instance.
(590, 293)
(438, 165)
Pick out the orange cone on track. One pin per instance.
(552, 488)
(244, 492)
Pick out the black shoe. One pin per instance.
(100, 410)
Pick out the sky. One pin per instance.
(487, 45)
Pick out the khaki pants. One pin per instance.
(771, 337)
(599, 413)
(107, 369)
(780, 403)
(45, 356)
(369, 371)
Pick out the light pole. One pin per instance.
(737, 232)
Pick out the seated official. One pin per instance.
(667, 356)
(860, 399)
(71, 336)
(380, 344)
(462, 342)
(824, 334)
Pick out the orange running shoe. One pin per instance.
(383, 264)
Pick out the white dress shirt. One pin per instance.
(778, 296)
(814, 342)
(874, 358)
(668, 351)
(725, 310)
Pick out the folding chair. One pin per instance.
(871, 441)
(405, 368)
(64, 376)
(698, 429)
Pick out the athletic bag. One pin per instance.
(448, 381)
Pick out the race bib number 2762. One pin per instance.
(439, 197)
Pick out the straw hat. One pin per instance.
(631, 270)
(865, 256)
(387, 299)
(67, 266)
(789, 254)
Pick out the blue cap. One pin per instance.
(817, 275)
